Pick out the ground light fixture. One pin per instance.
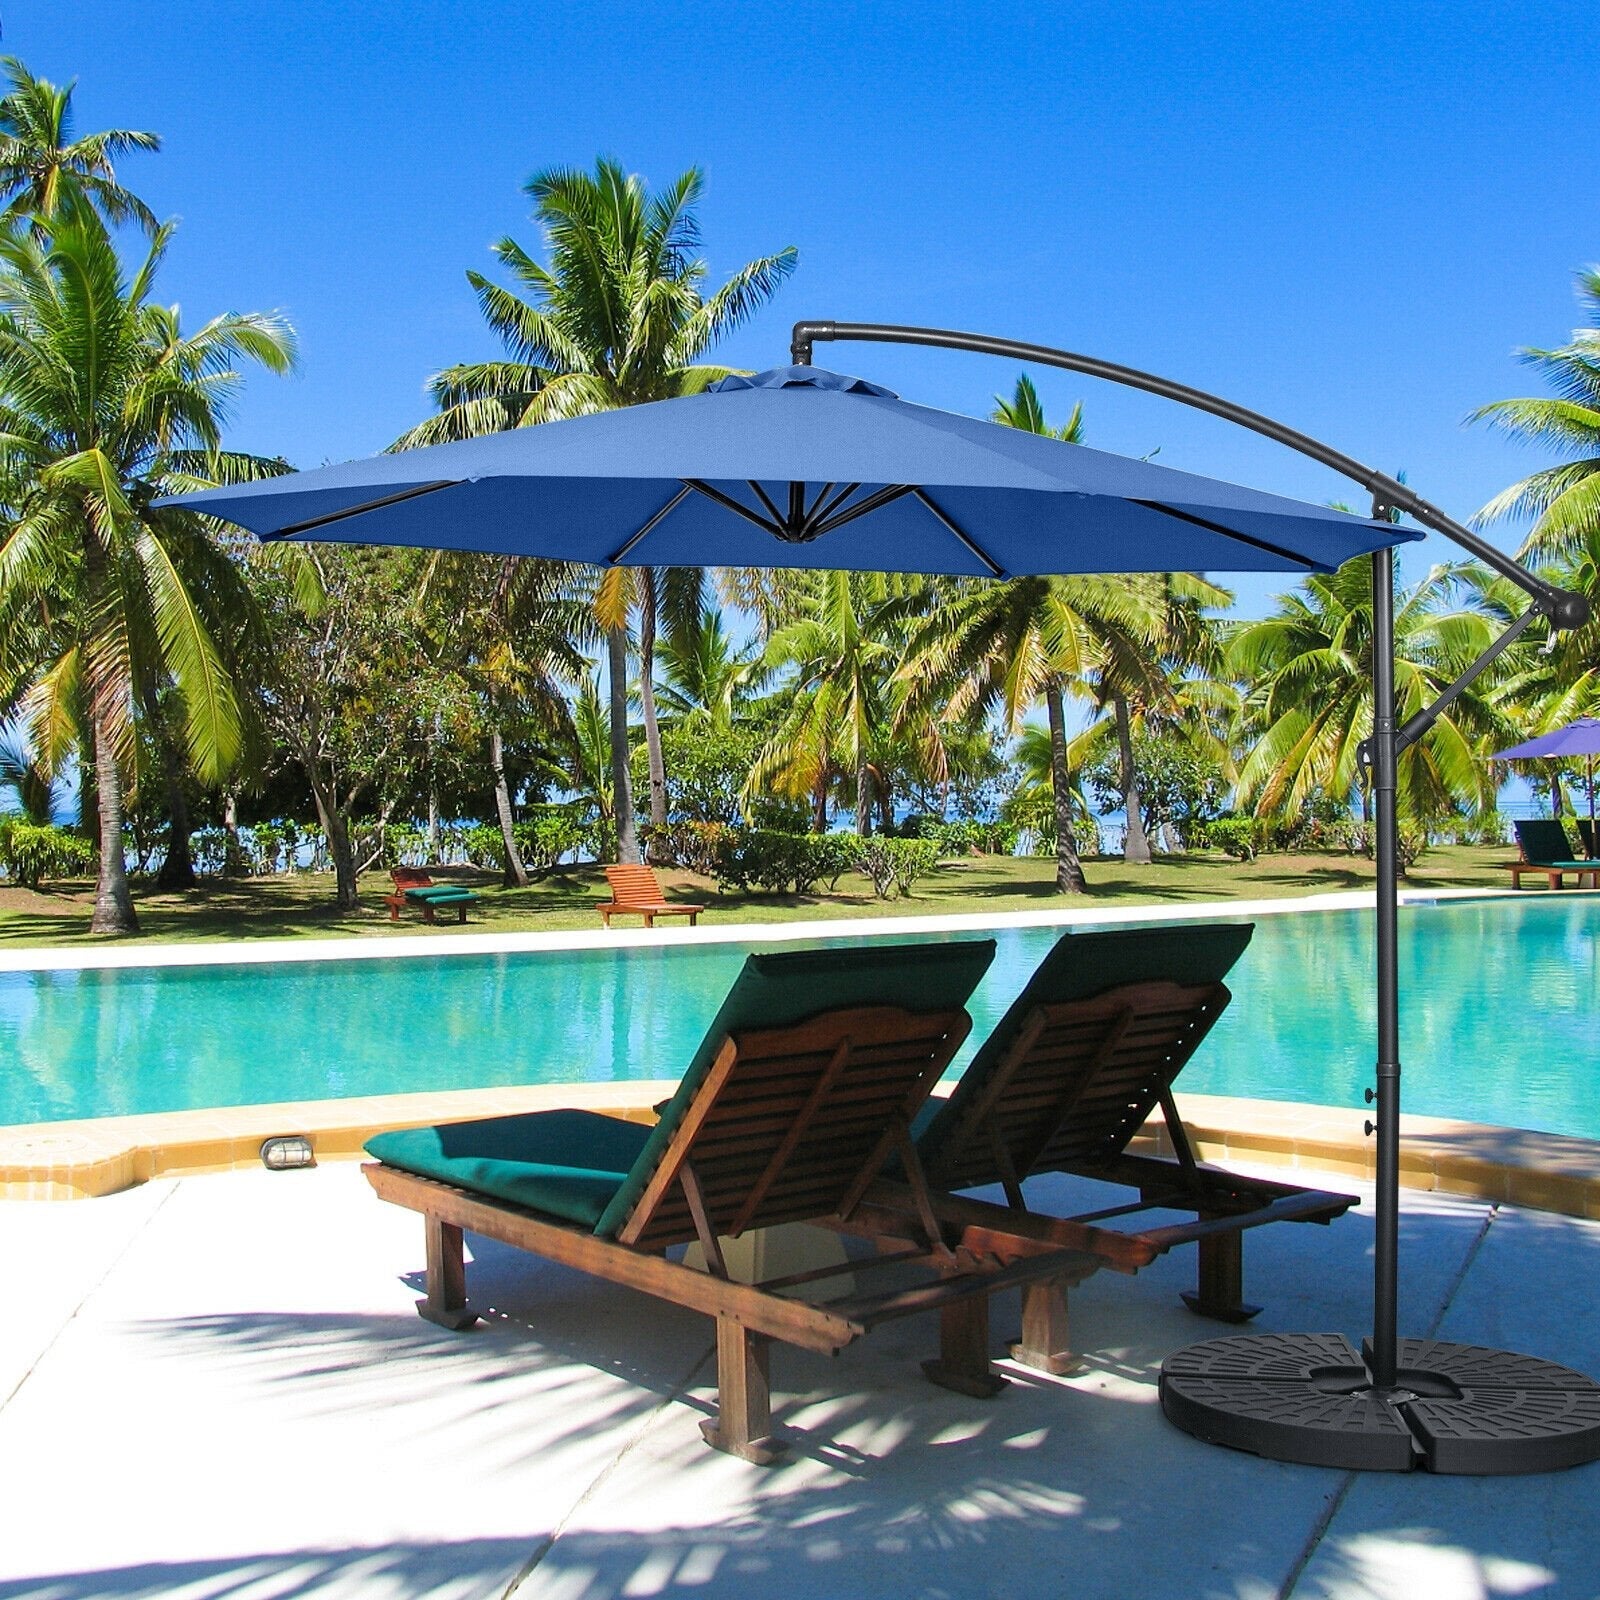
(285, 1151)
(799, 467)
(1312, 1398)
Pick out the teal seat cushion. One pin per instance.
(566, 1163)
(591, 1169)
(1080, 966)
(440, 891)
(787, 986)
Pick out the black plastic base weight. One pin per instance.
(1454, 1408)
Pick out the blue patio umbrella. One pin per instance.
(1581, 737)
(799, 467)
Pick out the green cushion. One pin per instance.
(790, 985)
(566, 1163)
(1082, 965)
(443, 891)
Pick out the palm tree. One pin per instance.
(1564, 500)
(514, 631)
(618, 317)
(842, 660)
(1006, 646)
(40, 161)
(708, 679)
(1024, 410)
(104, 406)
(32, 786)
(1311, 664)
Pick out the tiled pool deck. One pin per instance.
(216, 1388)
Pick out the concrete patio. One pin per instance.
(216, 1387)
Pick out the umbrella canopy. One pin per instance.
(799, 467)
(1577, 738)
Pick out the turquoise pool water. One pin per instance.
(1501, 1006)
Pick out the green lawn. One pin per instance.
(301, 906)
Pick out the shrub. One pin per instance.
(896, 864)
(686, 844)
(780, 862)
(1234, 836)
(548, 835)
(210, 849)
(483, 846)
(266, 843)
(32, 851)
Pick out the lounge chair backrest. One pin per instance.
(411, 878)
(1586, 831)
(634, 884)
(1544, 840)
(773, 992)
(1085, 1053)
(792, 1124)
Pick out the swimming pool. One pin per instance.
(1499, 1024)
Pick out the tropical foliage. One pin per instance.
(205, 703)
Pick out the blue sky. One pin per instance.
(1348, 216)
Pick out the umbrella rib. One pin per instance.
(296, 528)
(995, 569)
(700, 486)
(1231, 533)
(660, 516)
(815, 516)
(875, 500)
(811, 511)
(766, 500)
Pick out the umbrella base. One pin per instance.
(1455, 1408)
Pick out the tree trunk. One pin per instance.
(113, 904)
(516, 874)
(433, 824)
(233, 849)
(819, 805)
(1135, 842)
(1069, 869)
(177, 870)
(621, 777)
(647, 698)
(863, 800)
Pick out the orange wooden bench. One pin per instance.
(634, 890)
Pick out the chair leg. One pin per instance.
(743, 1425)
(963, 1363)
(447, 1277)
(1220, 1291)
(1044, 1344)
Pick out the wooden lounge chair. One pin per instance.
(634, 889)
(1085, 1054)
(804, 1086)
(1547, 851)
(1586, 833)
(413, 886)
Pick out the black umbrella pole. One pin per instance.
(1386, 1264)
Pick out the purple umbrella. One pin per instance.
(1579, 738)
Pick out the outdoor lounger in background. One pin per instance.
(1087, 1051)
(804, 1087)
(1547, 850)
(636, 890)
(414, 886)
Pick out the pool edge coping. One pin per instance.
(355, 947)
(106, 1155)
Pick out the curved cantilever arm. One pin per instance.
(1562, 608)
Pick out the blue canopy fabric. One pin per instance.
(800, 467)
(1580, 737)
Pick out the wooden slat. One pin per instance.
(793, 1321)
